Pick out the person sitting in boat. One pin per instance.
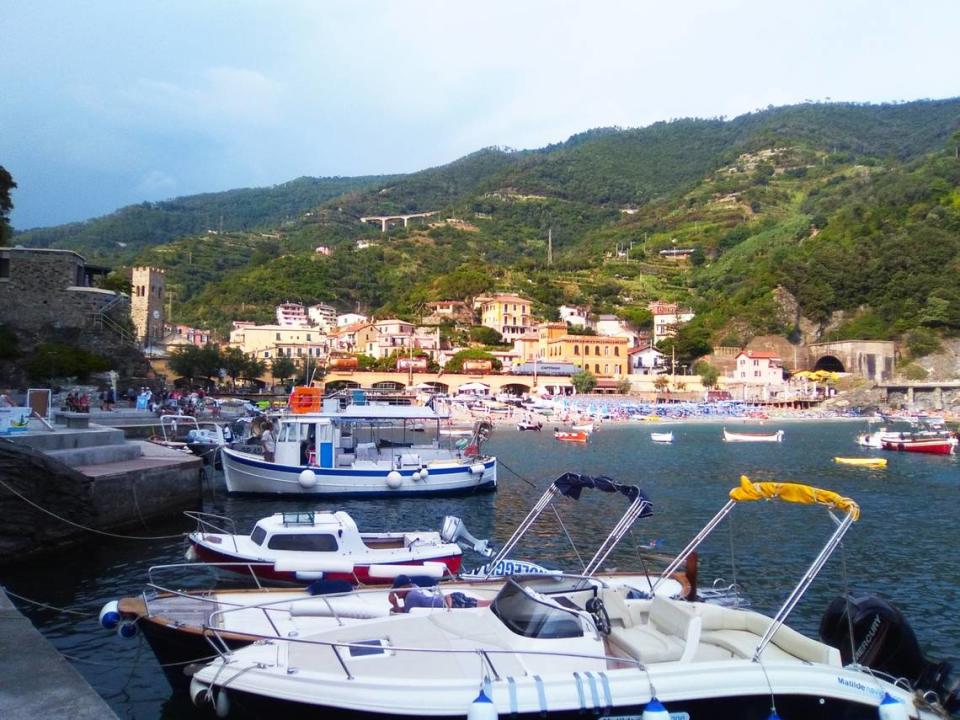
(405, 590)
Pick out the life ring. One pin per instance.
(306, 400)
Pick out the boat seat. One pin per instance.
(739, 632)
(672, 633)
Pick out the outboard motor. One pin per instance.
(883, 640)
(454, 531)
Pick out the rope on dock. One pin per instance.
(84, 527)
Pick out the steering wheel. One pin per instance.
(599, 614)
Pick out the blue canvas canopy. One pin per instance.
(571, 484)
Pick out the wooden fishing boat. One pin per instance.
(666, 437)
(570, 436)
(861, 462)
(752, 437)
(934, 443)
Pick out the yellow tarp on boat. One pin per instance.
(793, 492)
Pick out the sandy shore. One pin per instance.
(461, 417)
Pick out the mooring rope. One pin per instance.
(85, 527)
(9, 592)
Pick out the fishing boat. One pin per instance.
(666, 437)
(930, 442)
(562, 646)
(526, 424)
(584, 427)
(361, 450)
(179, 623)
(862, 462)
(571, 436)
(303, 545)
(752, 437)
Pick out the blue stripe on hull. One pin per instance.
(484, 488)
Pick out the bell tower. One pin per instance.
(146, 303)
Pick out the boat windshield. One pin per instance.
(525, 615)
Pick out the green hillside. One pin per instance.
(850, 211)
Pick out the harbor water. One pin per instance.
(903, 547)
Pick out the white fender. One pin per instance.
(307, 479)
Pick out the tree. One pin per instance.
(708, 373)
(57, 360)
(639, 317)
(455, 363)
(583, 381)
(660, 383)
(6, 203)
(485, 335)
(624, 386)
(282, 368)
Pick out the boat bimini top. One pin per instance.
(570, 485)
(788, 492)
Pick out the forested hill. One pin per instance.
(816, 220)
(609, 167)
(121, 235)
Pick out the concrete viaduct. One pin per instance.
(449, 383)
(385, 220)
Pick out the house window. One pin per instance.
(606, 350)
(596, 350)
(576, 350)
(596, 367)
(616, 351)
(278, 337)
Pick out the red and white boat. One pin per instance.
(571, 436)
(307, 545)
(752, 437)
(934, 443)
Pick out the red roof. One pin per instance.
(760, 355)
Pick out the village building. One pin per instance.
(350, 319)
(647, 361)
(322, 315)
(575, 315)
(448, 311)
(758, 376)
(612, 326)
(265, 342)
(605, 357)
(667, 319)
(292, 315)
(507, 313)
(353, 338)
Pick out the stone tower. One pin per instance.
(146, 303)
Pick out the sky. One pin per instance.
(104, 104)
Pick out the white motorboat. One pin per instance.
(666, 437)
(752, 437)
(361, 450)
(178, 623)
(303, 545)
(561, 646)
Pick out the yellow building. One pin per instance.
(605, 357)
(508, 314)
(266, 342)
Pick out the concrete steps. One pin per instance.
(62, 439)
(96, 455)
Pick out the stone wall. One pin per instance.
(47, 288)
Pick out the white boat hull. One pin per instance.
(746, 437)
(245, 473)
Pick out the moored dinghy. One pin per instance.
(752, 437)
(666, 437)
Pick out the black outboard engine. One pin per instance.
(883, 640)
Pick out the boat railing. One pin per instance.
(213, 524)
(204, 566)
(486, 654)
(169, 423)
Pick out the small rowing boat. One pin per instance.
(568, 436)
(752, 437)
(666, 437)
(862, 462)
